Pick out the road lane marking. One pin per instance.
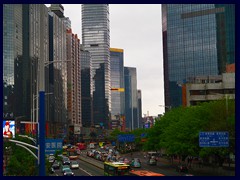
(85, 171)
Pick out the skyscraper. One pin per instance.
(140, 119)
(198, 39)
(13, 86)
(74, 79)
(117, 81)
(86, 79)
(57, 70)
(25, 46)
(96, 40)
(131, 102)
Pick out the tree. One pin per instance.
(177, 132)
(21, 162)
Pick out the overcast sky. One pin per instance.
(137, 29)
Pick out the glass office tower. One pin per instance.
(13, 62)
(140, 119)
(96, 40)
(85, 57)
(117, 81)
(131, 100)
(58, 72)
(198, 39)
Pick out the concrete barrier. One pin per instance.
(92, 162)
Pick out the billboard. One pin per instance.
(8, 129)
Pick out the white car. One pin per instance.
(51, 158)
(74, 165)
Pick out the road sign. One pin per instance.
(126, 138)
(51, 145)
(214, 139)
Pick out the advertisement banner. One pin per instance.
(8, 129)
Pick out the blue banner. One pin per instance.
(126, 138)
(52, 145)
(214, 139)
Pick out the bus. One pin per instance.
(144, 173)
(116, 169)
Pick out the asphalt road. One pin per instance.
(85, 169)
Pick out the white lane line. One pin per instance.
(85, 171)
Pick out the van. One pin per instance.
(91, 145)
(152, 160)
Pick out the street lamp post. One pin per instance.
(41, 123)
(33, 119)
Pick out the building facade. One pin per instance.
(117, 81)
(208, 88)
(13, 63)
(87, 116)
(57, 73)
(198, 40)
(131, 102)
(26, 45)
(140, 119)
(96, 40)
(74, 79)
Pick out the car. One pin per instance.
(73, 157)
(152, 161)
(182, 168)
(68, 172)
(135, 163)
(56, 165)
(74, 165)
(91, 145)
(65, 160)
(91, 153)
(51, 158)
(64, 167)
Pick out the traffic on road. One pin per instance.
(92, 161)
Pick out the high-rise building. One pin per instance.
(74, 79)
(117, 87)
(25, 46)
(140, 119)
(14, 99)
(87, 120)
(58, 9)
(57, 71)
(96, 40)
(131, 102)
(198, 40)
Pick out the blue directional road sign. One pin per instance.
(214, 139)
(126, 138)
(51, 145)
